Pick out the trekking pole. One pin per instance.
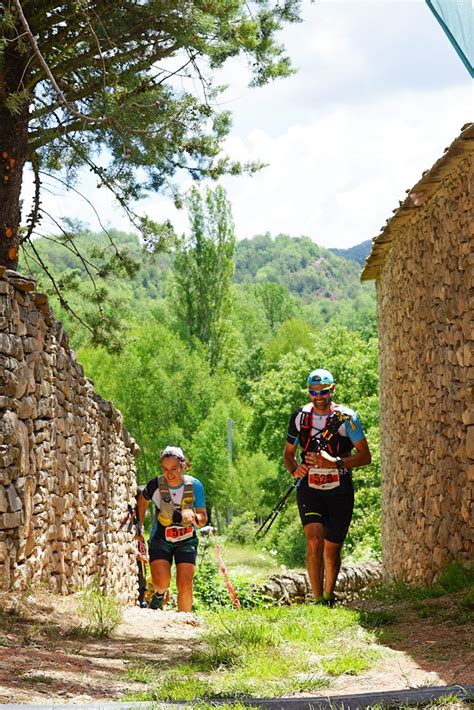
(335, 421)
(270, 519)
(268, 522)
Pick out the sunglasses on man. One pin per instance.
(324, 392)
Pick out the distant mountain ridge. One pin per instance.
(358, 253)
(307, 269)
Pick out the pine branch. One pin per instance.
(34, 217)
(85, 262)
(56, 288)
(91, 205)
(62, 99)
(90, 90)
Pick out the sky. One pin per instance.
(379, 94)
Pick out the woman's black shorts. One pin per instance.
(332, 508)
(185, 551)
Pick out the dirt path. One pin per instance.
(41, 661)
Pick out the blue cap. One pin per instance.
(320, 377)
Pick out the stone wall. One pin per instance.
(426, 362)
(352, 582)
(66, 462)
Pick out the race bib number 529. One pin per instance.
(323, 479)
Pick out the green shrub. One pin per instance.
(242, 528)
(38, 678)
(209, 589)
(287, 538)
(467, 600)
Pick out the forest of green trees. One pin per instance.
(216, 337)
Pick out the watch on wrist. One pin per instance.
(339, 464)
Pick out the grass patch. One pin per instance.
(377, 618)
(449, 701)
(220, 706)
(425, 611)
(445, 701)
(45, 629)
(453, 578)
(142, 672)
(349, 663)
(467, 600)
(79, 631)
(11, 616)
(265, 652)
(249, 561)
(39, 678)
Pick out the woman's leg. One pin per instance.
(161, 575)
(184, 582)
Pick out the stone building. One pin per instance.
(422, 263)
(67, 469)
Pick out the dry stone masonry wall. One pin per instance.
(425, 309)
(66, 462)
(352, 582)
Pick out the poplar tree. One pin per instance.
(202, 271)
(125, 89)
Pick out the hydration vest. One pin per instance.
(332, 441)
(167, 507)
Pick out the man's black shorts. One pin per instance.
(332, 508)
(179, 551)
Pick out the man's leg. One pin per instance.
(332, 565)
(339, 516)
(314, 533)
(184, 582)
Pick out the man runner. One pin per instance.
(325, 493)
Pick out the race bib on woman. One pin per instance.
(323, 479)
(176, 533)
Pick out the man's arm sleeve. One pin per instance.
(293, 432)
(354, 428)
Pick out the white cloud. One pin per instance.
(338, 178)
